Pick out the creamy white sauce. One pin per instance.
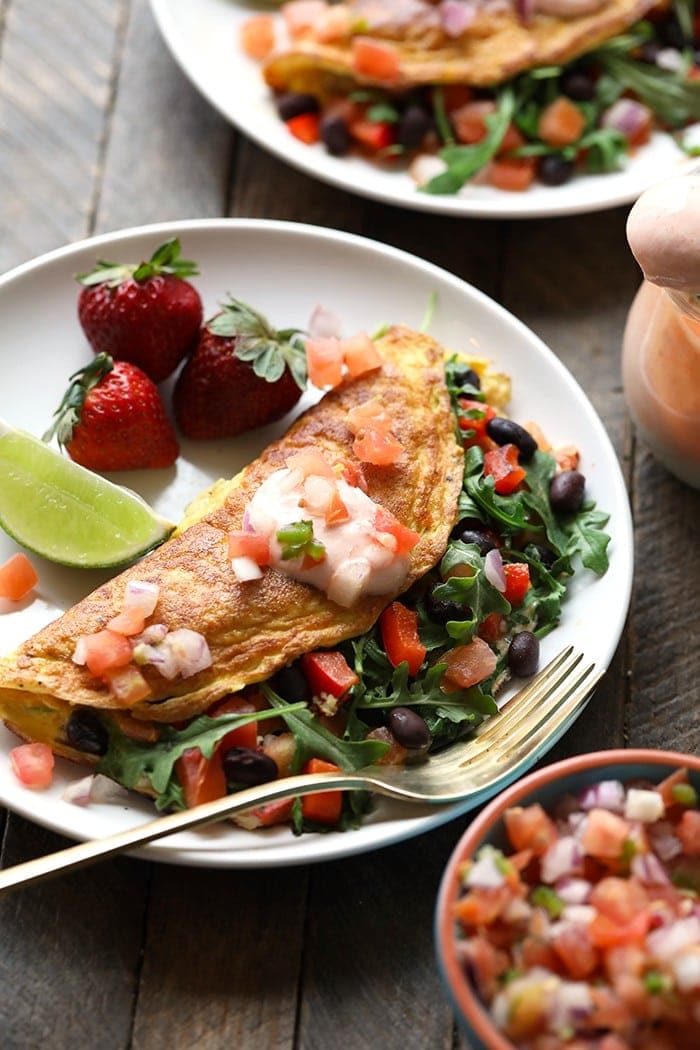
(358, 560)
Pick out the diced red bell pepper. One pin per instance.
(324, 807)
(306, 127)
(328, 672)
(492, 627)
(244, 736)
(399, 627)
(502, 465)
(517, 576)
(201, 779)
(475, 429)
(376, 135)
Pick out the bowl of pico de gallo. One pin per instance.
(568, 916)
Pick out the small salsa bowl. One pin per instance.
(545, 786)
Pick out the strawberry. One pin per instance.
(112, 418)
(147, 313)
(241, 375)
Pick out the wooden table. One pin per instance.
(100, 130)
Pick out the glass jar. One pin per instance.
(661, 376)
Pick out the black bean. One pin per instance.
(244, 765)
(335, 135)
(466, 523)
(482, 540)
(294, 103)
(409, 729)
(524, 654)
(463, 376)
(566, 491)
(441, 610)
(290, 683)
(578, 85)
(85, 732)
(555, 170)
(506, 432)
(671, 33)
(414, 124)
(545, 554)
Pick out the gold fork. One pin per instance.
(537, 714)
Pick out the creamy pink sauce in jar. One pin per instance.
(661, 343)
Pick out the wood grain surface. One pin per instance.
(99, 130)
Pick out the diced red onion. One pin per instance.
(572, 890)
(643, 805)
(151, 635)
(324, 324)
(246, 569)
(95, 788)
(141, 595)
(670, 59)
(245, 524)
(78, 793)
(648, 869)
(456, 16)
(668, 941)
(608, 794)
(627, 116)
(582, 914)
(493, 570)
(525, 9)
(686, 968)
(426, 166)
(665, 844)
(190, 649)
(485, 873)
(563, 857)
(79, 653)
(571, 1003)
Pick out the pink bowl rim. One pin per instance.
(464, 998)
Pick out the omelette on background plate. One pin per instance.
(257, 639)
(512, 91)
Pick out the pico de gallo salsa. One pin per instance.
(587, 935)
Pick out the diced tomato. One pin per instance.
(517, 574)
(537, 952)
(104, 651)
(328, 672)
(258, 36)
(361, 355)
(324, 359)
(573, 946)
(309, 462)
(378, 447)
(354, 475)
(567, 457)
(514, 174)
(688, 831)
(665, 788)
(493, 627)
(486, 963)
(302, 15)
(33, 764)
(618, 899)
(529, 827)
(501, 464)
(396, 755)
(513, 139)
(561, 123)
(201, 779)
(335, 510)
(475, 428)
(368, 414)
(127, 684)
(305, 126)
(324, 807)
(605, 835)
(249, 545)
(399, 627)
(468, 664)
(483, 905)
(375, 59)
(406, 539)
(243, 736)
(606, 933)
(376, 135)
(17, 577)
(469, 120)
(128, 622)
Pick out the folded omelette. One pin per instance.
(256, 627)
(479, 43)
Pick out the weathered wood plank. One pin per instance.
(53, 119)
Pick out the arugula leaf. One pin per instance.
(510, 511)
(606, 148)
(671, 95)
(463, 162)
(539, 473)
(133, 763)
(587, 538)
(315, 741)
(474, 592)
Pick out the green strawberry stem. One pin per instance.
(67, 415)
(269, 351)
(165, 260)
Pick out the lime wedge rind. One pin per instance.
(68, 514)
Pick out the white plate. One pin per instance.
(203, 37)
(285, 270)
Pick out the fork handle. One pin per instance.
(84, 853)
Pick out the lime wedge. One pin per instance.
(68, 514)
